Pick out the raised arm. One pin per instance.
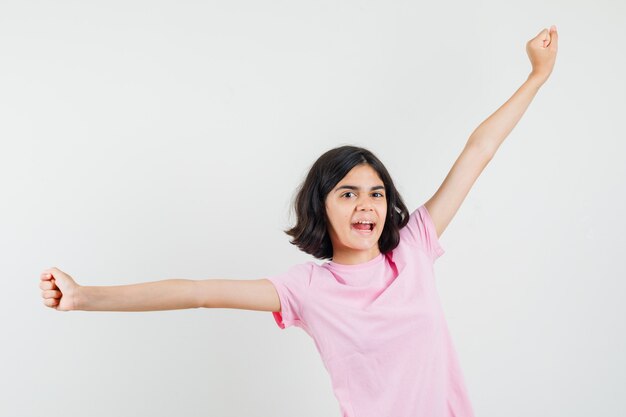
(61, 292)
(489, 135)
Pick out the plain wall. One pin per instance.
(143, 141)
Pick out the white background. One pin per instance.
(147, 140)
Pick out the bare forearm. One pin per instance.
(491, 133)
(171, 294)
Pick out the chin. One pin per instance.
(365, 245)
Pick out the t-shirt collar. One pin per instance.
(344, 267)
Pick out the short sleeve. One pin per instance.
(420, 231)
(291, 287)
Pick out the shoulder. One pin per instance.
(420, 232)
(414, 227)
(298, 274)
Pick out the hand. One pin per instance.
(542, 53)
(59, 290)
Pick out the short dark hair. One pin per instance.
(310, 234)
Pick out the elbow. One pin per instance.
(198, 299)
(482, 147)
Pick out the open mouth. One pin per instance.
(364, 227)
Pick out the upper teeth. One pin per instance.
(365, 222)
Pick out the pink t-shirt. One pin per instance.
(380, 329)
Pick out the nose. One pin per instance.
(364, 205)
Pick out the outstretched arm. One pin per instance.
(487, 137)
(61, 292)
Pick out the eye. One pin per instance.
(349, 192)
(379, 194)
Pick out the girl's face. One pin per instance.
(359, 196)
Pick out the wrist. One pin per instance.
(536, 79)
(79, 298)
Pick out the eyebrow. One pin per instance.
(354, 187)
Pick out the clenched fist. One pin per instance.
(542, 51)
(59, 290)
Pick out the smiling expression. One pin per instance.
(359, 197)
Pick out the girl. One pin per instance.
(373, 309)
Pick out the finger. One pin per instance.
(51, 270)
(554, 37)
(542, 37)
(51, 294)
(46, 285)
(546, 38)
(50, 302)
(46, 276)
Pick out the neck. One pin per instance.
(355, 257)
